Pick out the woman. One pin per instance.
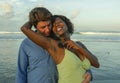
(64, 51)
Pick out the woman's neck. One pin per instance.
(65, 37)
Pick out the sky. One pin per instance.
(86, 15)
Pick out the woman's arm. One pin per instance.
(41, 40)
(80, 51)
(83, 46)
(93, 59)
(37, 38)
(71, 45)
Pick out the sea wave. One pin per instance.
(6, 32)
(99, 33)
(11, 35)
(84, 36)
(83, 33)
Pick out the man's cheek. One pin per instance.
(40, 30)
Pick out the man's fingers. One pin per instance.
(87, 78)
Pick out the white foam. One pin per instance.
(100, 33)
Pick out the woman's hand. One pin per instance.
(71, 45)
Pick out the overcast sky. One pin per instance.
(98, 15)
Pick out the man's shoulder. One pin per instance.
(78, 42)
(25, 40)
(81, 44)
(29, 43)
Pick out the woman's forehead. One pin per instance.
(58, 19)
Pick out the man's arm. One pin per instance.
(21, 74)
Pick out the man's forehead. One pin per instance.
(43, 23)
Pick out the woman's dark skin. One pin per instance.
(51, 45)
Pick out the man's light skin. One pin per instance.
(44, 27)
(87, 77)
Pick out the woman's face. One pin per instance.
(59, 26)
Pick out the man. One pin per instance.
(35, 65)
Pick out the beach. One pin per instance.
(106, 49)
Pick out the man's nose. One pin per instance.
(47, 28)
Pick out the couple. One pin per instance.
(70, 59)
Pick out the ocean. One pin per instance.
(105, 45)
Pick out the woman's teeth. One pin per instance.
(58, 29)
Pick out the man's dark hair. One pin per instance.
(39, 14)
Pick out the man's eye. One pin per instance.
(43, 27)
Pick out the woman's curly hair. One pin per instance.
(67, 21)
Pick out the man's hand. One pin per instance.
(87, 78)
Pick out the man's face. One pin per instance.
(44, 27)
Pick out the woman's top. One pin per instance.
(72, 69)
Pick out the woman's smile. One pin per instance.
(59, 29)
